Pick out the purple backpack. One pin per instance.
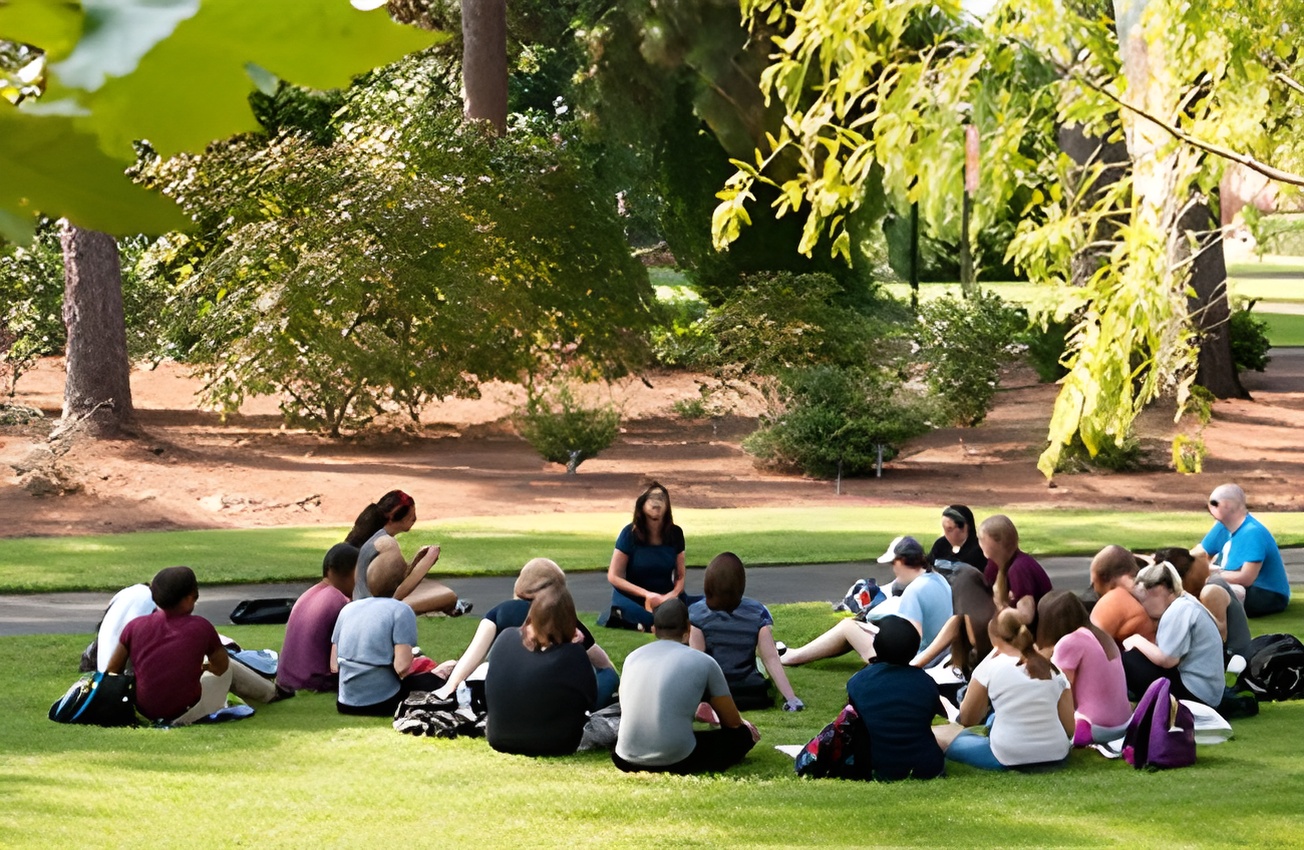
(1161, 733)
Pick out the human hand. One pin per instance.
(444, 670)
(652, 600)
(756, 733)
(794, 704)
(427, 554)
(578, 637)
(1131, 641)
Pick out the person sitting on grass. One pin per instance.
(965, 635)
(1091, 662)
(182, 670)
(958, 543)
(537, 575)
(1017, 580)
(371, 646)
(1216, 595)
(925, 602)
(393, 514)
(1117, 611)
(1187, 649)
(540, 686)
(1029, 701)
(1244, 553)
(897, 704)
(663, 684)
(734, 629)
(305, 661)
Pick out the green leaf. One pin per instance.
(51, 167)
(192, 87)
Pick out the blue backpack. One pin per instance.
(99, 699)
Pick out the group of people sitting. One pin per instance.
(1043, 669)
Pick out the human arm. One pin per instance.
(945, 637)
(696, 639)
(727, 711)
(973, 710)
(417, 570)
(218, 660)
(117, 661)
(1066, 718)
(335, 658)
(598, 658)
(402, 659)
(652, 600)
(616, 572)
(1150, 650)
(1026, 609)
(476, 652)
(769, 652)
(1244, 575)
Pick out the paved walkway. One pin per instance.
(78, 613)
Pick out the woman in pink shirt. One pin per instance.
(1091, 661)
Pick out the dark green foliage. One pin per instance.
(562, 429)
(1249, 340)
(1045, 341)
(680, 337)
(31, 303)
(1127, 457)
(965, 342)
(833, 419)
(1200, 404)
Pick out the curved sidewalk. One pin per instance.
(78, 613)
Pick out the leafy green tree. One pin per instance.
(881, 85)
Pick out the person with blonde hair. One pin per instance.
(1029, 698)
(1017, 580)
(734, 629)
(1091, 662)
(540, 686)
(1187, 650)
(537, 575)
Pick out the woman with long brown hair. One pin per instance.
(1028, 697)
(647, 566)
(1092, 664)
(391, 515)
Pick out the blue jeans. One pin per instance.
(974, 750)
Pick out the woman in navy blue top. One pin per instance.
(647, 566)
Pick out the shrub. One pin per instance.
(832, 420)
(563, 430)
(1189, 454)
(1199, 403)
(965, 342)
(691, 408)
(1249, 340)
(679, 337)
(1124, 457)
(1045, 341)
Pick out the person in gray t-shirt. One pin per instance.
(662, 686)
(1187, 649)
(1216, 595)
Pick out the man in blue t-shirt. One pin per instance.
(1244, 554)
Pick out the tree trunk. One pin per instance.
(1087, 151)
(1216, 370)
(98, 386)
(484, 61)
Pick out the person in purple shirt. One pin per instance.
(305, 662)
(1017, 580)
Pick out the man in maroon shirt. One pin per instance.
(305, 660)
(174, 682)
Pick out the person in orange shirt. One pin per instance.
(1118, 613)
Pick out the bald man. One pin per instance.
(1244, 553)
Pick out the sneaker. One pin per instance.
(794, 704)
(463, 606)
(780, 647)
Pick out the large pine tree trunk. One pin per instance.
(484, 61)
(98, 387)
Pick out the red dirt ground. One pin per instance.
(192, 470)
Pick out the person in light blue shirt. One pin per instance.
(1243, 552)
(925, 604)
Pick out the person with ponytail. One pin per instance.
(391, 515)
(1091, 662)
(1017, 580)
(1187, 649)
(1029, 700)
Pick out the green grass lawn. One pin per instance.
(1284, 330)
(298, 774)
(500, 545)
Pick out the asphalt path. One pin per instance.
(78, 613)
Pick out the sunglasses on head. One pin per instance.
(1213, 503)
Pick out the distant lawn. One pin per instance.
(500, 545)
(298, 774)
(1284, 330)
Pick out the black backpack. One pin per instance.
(1276, 667)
